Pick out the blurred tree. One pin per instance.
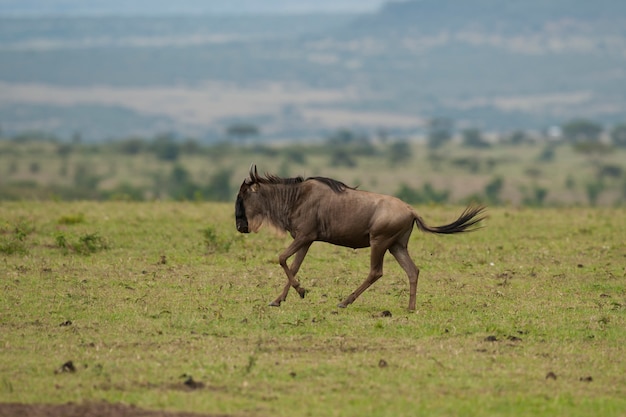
(265, 150)
(493, 190)
(594, 189)
(191, 147)
(349, 142)
(342, 137)
(341, 157)
(612, 171)
(295, 154)
(547, 154)
(399, 152)
(13, 167)
(34, 167)
(180, 185)
(165, 147)
(241, 131)
(126, 192)
(473, 137)
(536, 196)
(131, 146)
(427, 194)
(64, 149)
(84, 177)
(581, 130)
(383, 135)
(344, 145)
(439, 131)
(469, 163)
(219, 188)
(179, 175)
(518, 137)
(618, 135)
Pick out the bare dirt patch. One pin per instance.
(102, 409)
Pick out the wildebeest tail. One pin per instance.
(466, 222)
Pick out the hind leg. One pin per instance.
(400, 252)
(376, 271)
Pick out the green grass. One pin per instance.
(172, 291)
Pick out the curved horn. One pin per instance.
(252, 171)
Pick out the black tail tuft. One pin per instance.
(470, 217)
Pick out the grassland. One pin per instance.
(164, 306)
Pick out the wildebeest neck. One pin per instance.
(280, 201)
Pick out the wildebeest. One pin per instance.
(327, 210)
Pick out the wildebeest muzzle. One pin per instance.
(240, 216)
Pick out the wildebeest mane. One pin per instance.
(335, 185)
(274, 180)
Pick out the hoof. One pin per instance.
(302, 292)
(274, 304)
(342, 305)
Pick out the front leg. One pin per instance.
(300, 248)
(283, 295)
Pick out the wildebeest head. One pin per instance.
(264, 200)
(248, 207)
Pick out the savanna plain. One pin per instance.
(164, 306)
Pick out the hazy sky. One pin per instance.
(159, 7)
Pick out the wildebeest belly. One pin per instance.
(354, 218)
(355, 242)
(352, 232)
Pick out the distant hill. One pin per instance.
(501, 16)
(495, 65)
(167, 7)
(500, 63)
